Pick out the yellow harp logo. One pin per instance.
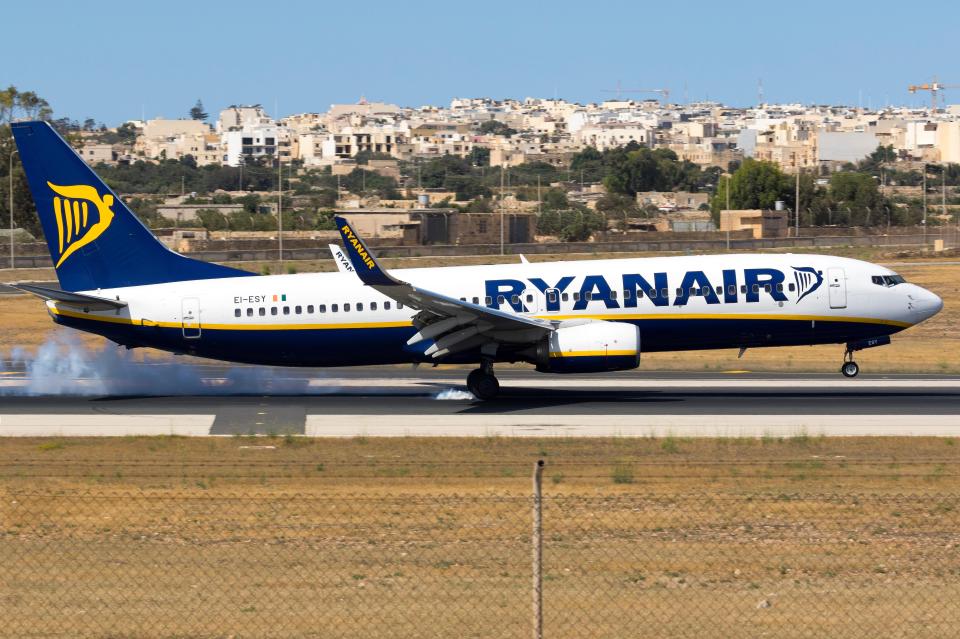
(76, 227)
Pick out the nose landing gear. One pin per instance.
(482, 382)
(849, 368)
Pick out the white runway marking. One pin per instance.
(53, 425)
(522, 425)
(553, 382)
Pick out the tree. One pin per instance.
(15, 104)
(197, 112)
(479, 156)
(631, 169)
(755, 185)
(858, 194)
(590, 164)
(496, 127)
(555, 199)
(127, 133)
(212, 219)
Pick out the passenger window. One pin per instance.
(359, 307)
(679, 292)
(273, 310)
(514, 299)
(652, 293)
(694, 292)
(792, 287)
(386, 306)
(639, 294)
(613, 295)
(588, 295)
(310, 309)
(488, 300)
(529, 297)
(334, 308)
(779, 288)
(297, 309)
(263, 311)
(731, 290)
(476, 300)
(756, 288)
(766, 287)
(663, 293)
(322, 308)
(346, 307)
(236, 312)
(399, 306)
(552, 297)
(565, 297)
(719, 290)
(743, 288)
(373, 306)
(576, 296)
(249, 312)
(626, 294)
(286, 310)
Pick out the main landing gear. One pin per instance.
(850, 368)
(482, 382)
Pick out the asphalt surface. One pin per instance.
(291, 400)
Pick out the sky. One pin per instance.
(115, 61)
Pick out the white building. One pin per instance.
(262, 141)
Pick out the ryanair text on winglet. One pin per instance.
(348, 233)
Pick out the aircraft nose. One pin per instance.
(925, 303)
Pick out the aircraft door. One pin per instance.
(551, 300)
(190, 318)
(838, 287)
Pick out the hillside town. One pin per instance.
(493, 173)
(515, 132)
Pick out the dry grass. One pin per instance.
(271, 537)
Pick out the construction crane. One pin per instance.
(620, 91)
(936, 87)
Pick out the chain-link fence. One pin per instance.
(212, 563)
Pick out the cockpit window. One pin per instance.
(887, 280)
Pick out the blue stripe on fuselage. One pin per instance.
(387, 345)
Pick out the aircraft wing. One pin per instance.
(89, 302)
(453, 323)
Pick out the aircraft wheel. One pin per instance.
(484, 386)
(850, 369)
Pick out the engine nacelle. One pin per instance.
(590, 348)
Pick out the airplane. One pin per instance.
(117, 280)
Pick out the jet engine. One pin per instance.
(595, 347)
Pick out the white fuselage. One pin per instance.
(679, 303)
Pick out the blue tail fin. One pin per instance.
(94, 239)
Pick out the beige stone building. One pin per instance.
(762, 223)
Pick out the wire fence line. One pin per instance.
(195, 563)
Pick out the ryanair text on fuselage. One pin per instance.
(657, 288)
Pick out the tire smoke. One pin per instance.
(63, 365)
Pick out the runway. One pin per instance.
(433, 402)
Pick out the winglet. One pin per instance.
(360, 256)
(343, 263)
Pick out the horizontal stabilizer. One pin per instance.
(90, 302)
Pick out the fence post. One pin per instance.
(538, 550)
